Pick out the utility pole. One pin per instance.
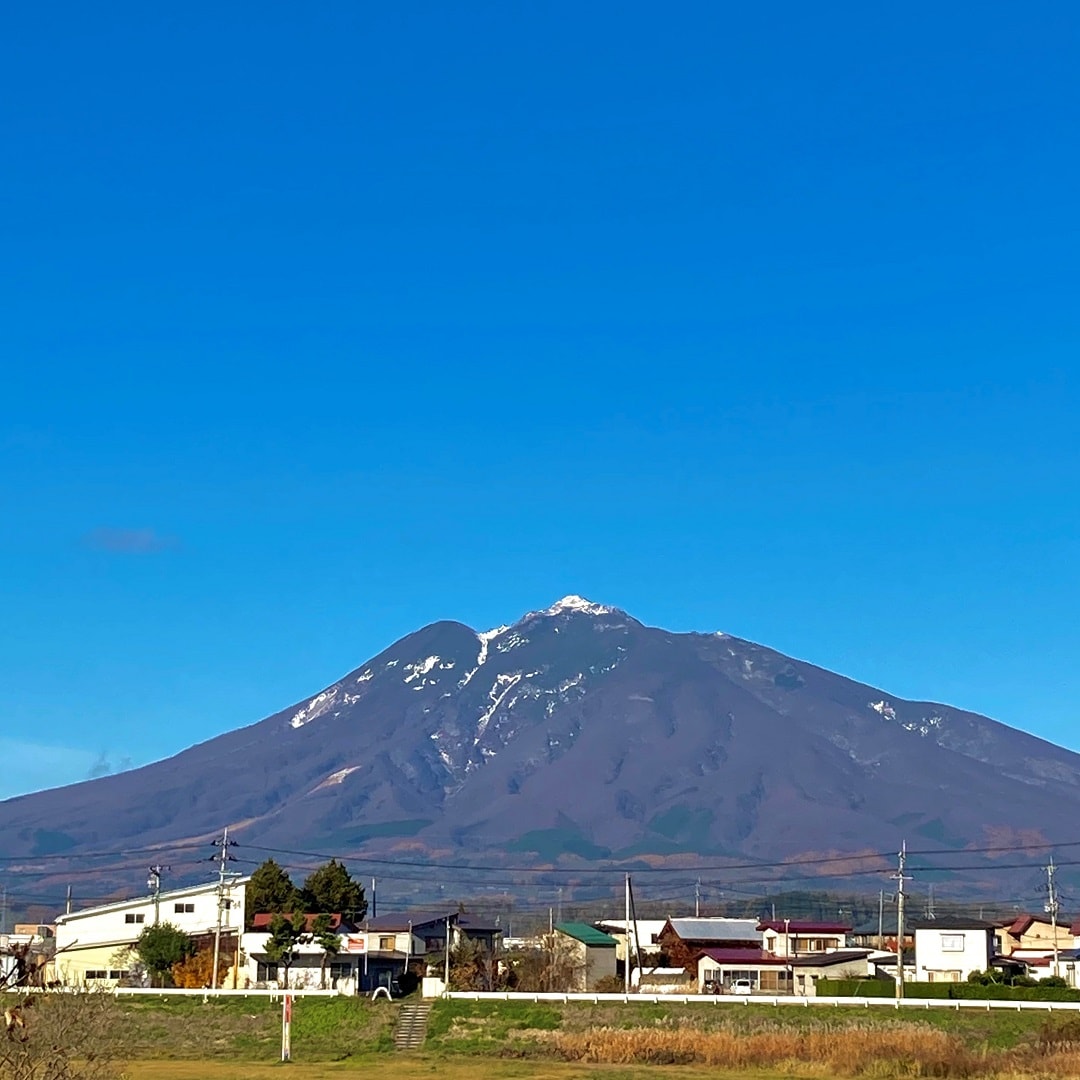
(67, 907)
(1052, 907)
(154, 882)
(881, 921)
(224, 860)
(3, 910)
(374, 909)
(560, 904)
(626, 961)
(900, 879)
(446, 964)
(697, 899)
(930, 902)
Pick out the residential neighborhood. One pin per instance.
(352, 952)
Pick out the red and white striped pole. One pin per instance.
(286, 1028)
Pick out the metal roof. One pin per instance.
(717, 929)
(804, 926)
(586, 934)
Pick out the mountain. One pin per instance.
(574, 735)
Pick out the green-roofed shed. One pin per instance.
(589, 954)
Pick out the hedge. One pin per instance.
(962, 990)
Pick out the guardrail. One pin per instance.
(956, 1004)
(175, 991)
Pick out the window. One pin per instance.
(118, 975)
(96, 973)
(942, 976)
(134, 917)
(952, 942)
(226, 905)
(387, 943)
(266, 972)
(340, 971)
(184, 909)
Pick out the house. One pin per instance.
(718, 969)
(1033, 936)
(311, 966)
(373, 952)
(93, 946)
(390, 944)
(880, 934)
(794, 937)
(644, 934)
(590, 953)
(681, 940)
(948, 950)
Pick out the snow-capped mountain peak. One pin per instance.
(574, 603)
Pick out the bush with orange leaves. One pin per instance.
(194, 972)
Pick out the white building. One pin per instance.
(93, 945)
(948, 950)
(643, 937)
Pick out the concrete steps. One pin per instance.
(411, 1030)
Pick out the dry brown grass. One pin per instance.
(901, 1051)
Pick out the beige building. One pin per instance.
(1032, 935)
(591, 953)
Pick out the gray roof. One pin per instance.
(717, 929)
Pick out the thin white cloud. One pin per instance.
(32, 766)
(129, 541)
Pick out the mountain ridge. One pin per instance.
(578, 734)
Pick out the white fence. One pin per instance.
(956, 1004)
(176, 991)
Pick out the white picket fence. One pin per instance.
(957, 1004)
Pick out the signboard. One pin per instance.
(355, 943)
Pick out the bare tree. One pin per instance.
(63, 1037)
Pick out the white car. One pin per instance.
(742, 986)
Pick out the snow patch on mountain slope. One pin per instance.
(485, 638)
(334, 778)
(421, 667)
(503, 685)
(318, 705)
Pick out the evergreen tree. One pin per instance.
(269, 892)
(332, 890)
(286, 933)
(327, 940)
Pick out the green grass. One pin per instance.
(249, 1029)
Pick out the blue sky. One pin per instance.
(321, 325)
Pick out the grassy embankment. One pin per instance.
(185, 1039)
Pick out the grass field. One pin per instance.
(177, 1038)
(424, 1067)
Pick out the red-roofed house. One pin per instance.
(1033, 936)
(799, 937)
(769, 973)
